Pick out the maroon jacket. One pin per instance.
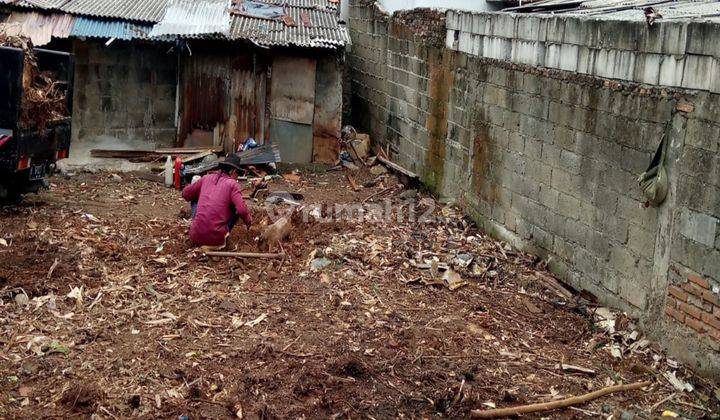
(219, 200)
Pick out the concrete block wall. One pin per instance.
(368, 28)
(125, 91)
(671, 53)
(545, 154)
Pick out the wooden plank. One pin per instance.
(244, 254)
(396, 167)
(187, 150)
(151, 154)
(104, 153)
(196, 156)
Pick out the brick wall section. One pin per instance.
(124, 91)
(547, 159)
(694, 303)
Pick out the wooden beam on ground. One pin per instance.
(553, 405)
(123, 154)
(397, 168)
(245, 254)
(187, 152)
(196, 156)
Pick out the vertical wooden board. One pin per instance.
(293, 89)
(328, 110)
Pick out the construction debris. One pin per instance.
(264, 154)
(360, 147)
(258, 156)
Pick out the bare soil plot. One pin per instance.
(107, 310)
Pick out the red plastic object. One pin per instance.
(23, 163)
(178, 166)
(61, 154)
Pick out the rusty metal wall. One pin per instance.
(223, 91)
(203, 95)
(299, 107)
(328, 109)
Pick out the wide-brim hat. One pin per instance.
(232, 161)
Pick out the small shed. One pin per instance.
(198, 72)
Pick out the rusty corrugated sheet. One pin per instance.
(194, 17)
(306, 4)
(39, 27)
(293, 89)
(223, 92)
(203, 96)
(316, 22)
(328, 110)
(244, 105)
(325, 30)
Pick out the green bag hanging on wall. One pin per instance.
(654, 181)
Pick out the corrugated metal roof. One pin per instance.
(36, 4)
(45, 4)
(97, 28)
(40, 28)
(140, 10)
(19, 3)
(205, 18)
(325, 30)
(306, 4)
(194, 17)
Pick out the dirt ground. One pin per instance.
(107, 311)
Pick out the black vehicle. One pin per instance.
(28, 154)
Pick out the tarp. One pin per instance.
(261, 10)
